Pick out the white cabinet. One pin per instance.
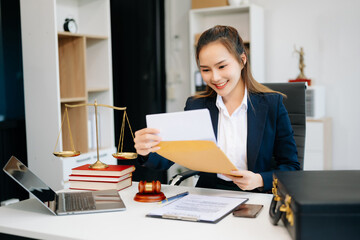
(65, 68)
(318, 144)
(249, 22)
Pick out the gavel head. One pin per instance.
(149, 187)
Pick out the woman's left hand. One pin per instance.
(246, 180)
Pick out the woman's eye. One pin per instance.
(205, 70)
(222, 66)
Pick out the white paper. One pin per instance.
(198, 208)
(183, 126)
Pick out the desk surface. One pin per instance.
(29, 218)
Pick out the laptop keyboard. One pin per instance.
(76, 201)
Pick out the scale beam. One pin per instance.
(98, 164)
(95, 104)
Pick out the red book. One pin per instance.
(112, 170)
(95, 178)
(95, 186)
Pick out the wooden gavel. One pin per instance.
(149, 187)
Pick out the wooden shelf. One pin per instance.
(98, 89)
(221, 10)
(90, 36)
(72, 67)
(71, 100)
(78, 119)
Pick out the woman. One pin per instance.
(249, 120)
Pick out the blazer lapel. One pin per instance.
(214, 113)
(256, 116)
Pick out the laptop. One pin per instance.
(63, 203)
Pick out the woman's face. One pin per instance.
(220, 70)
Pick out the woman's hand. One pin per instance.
(146, 141)
(246, 180)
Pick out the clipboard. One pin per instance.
(188, 139)
(198, 208)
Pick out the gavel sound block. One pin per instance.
(149, 192)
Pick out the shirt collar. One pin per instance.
(243, 106)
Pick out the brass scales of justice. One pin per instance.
(98, 164)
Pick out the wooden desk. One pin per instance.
(30, 219)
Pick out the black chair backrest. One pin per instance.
(295, 105)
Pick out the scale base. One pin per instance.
(98, 165)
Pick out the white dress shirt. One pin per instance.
(232, 133)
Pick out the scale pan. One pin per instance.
(67, 154)
(125, 155)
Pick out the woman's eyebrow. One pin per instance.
(218, 63)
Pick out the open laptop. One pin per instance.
(66, 202)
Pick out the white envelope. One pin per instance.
(183, 126)
(188, 139)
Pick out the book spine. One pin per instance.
(89, 185)
(113, 179)
(89, 188)
(105, 172)
(93, 181)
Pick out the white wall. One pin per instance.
(329, 33)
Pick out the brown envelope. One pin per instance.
(199, 155)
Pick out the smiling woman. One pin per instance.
(225, 44)
(249, 120)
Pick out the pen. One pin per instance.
(174, 197)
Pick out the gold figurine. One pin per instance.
(301, 63)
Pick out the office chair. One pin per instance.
(295, 105)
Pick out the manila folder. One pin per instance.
(198, 155)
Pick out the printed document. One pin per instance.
(198, 208)
(188, 139)
(183, 126)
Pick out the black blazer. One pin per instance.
(269, 134)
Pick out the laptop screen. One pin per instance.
(30, 182)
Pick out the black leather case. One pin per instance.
(317, 204)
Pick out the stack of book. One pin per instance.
(114, 177)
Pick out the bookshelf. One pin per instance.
(247, 19)
(66, 68)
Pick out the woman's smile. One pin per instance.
(221, 85)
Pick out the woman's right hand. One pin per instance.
(146, 141)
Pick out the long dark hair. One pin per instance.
(230, 38)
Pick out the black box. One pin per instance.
(317, 204)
